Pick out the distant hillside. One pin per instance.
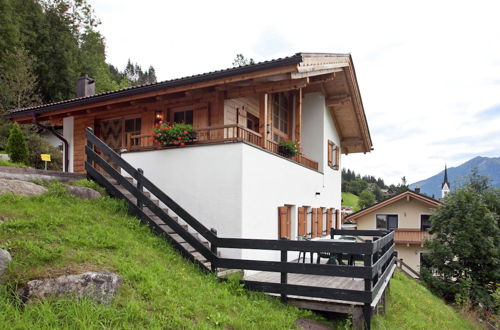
(489, 167)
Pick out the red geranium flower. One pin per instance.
(182, 144)
(185, 132)
(179, 138)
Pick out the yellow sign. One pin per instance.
(45, 157)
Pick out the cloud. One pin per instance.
(271, 43)
(489, 113)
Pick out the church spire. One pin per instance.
(445, 186)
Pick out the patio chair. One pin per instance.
(303, 253)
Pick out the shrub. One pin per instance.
(16, 145)
(289, 148)
(172, 133)
(36, 146)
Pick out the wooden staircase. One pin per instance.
(168, 231)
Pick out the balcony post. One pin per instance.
(263, 118)
(298, 115)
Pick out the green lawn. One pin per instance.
(349, 199)
(56, 234)
(10, 164)
(412, 306)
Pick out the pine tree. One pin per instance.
(16, 145)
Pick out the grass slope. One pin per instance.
(349, 199)
(56, 234)
(412, 306)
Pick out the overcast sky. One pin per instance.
(429, 72)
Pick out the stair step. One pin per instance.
(151, 213)
(199, 257)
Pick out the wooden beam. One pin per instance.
(338, 100)
(298, 115)
(354, 141)
(263, 115)
(322, 67)
(267, 87)
(298, 75)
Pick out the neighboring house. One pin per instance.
(408, 214)
(233, 177)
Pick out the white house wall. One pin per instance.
(237, 188)
(204, 180)
(313, 108)
(68, 133)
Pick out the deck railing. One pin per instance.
(218, 134)
(377, 255)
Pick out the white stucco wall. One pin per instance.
(68, 133)
(313, 109)
(204, 180)
(237, 188)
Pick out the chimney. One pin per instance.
(85, 86)
(417, 189)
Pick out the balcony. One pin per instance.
(220, 134)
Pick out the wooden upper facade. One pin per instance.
(260, 104)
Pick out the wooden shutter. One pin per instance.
(329, 218)
(314, 223)
(330, 153)
(302, 222)
(284, 222)
(336, 164)
(320, 221)
(338, 218)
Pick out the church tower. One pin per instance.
(445, 186)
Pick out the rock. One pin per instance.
(5, 260)
(22, 188)
(83, 192)
(100, 287)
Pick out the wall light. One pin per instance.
(158, 116)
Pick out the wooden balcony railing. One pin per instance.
(218, 134)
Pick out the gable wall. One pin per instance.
(409, 214)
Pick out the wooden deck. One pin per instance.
(333, 282)
(321, 304)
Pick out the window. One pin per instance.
(281, 106)
(133, 127)
(425, 222)
(387, 221)
(252, 122)
(423, 262)
(185, 117)
(333, 155)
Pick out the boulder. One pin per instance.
(100, 287)
(83, 192)
(5, 260)
(22, 188)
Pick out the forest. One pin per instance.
(45, 45)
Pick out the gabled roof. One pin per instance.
(346, 107)
(405, 194)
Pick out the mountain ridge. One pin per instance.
(487, 166)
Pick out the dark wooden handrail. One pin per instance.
(378, 255)
(402, 264)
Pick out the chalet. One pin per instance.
(408, 214)
(233, 176)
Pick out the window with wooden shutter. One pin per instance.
(320, 221)
(284, 219)
(329, 219)
(330, 153)
(314, 223)
(302, 221)
(336, 162)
